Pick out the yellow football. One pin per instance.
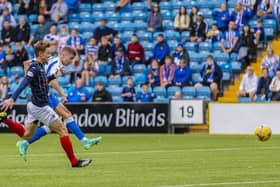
(263, 132)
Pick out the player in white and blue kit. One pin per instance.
(65, 58)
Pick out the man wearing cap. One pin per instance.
(249, 84)
(101, 94)
(198, 29)
(180, 54)
(103, 30)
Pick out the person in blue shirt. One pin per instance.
(241, 16)
(263, 93)
(145, 96)
(128, 92)
(76, 41)
(73, 6)
(259, 32)
(230, 39)
(104, 30)
(222, 17)
(182, 74)
(78, 93)
(161, 49)
(153, 74)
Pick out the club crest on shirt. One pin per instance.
(30, 74)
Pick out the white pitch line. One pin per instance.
(226, 183)
(152, 151)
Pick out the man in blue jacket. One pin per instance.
(78, 93)
(161, 49)
(222, 17)
(183, 74)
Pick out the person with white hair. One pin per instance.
(271, 61)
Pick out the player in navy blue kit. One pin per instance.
(66, 57)
(38, 109)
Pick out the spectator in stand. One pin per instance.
(193, 15)
(230, 39)
(263, 92)
(52, 38)
(153, 74)
(271, 61)
(76, 69)
(7, 16)
(145, 96)
(120, 65)
(275, 9)
(44, 8)
(101, 94)
(3, 63)
(73, 5)
(161, 49)
(155, 19)
(20, 54)
(135, 51)
(128, 92)
(27, 7)
(118, 44)
(5, 4)
(78, 93)
(167, 72)
(198, 29)
(9, 55)
(263, 8)
(7, 34)
(22, 31)
(42, 29)
(76, 41)
(59, 12)
(91, 69)
(213, 35)
(222, 17)
(92, 48)
(259, 34)
(248, 85)
(5, 90)
(241, 16)
(248, 48)
(105, 52)
(180, 54)
(63, 37)
(104, 30)
(183, 74)
(182, 20)
(211, 75)
(274, 87)
(247, 4)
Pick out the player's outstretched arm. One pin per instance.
(61, 92)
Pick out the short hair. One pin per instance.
(168, 57)
(160, 35)
(144, 84)
(278, 69)
(210, 56)
(70, 50)
(135, 35)
(41, 46)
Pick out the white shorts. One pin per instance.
(45, 114)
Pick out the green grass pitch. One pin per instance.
(146, 161)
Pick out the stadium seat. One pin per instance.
(74, 17)
(86, 35)
(117, 99)
(127, 26)
(203, 92)
(139, 68)
(220, 56)
(269, 23)
(126, 35)
(139, 15)
(17, 70)
(172, 44)
(115, 81)
(168, 24)
(188, 92)
(85, 7)
(33, 28)
(73, 25)
(101, 79)
(98, 15)
(140, 24)
(195, 67)
(226, 77)
(159, 91)
(205, 46)
(142, 35)
(244, 99)
(165, 6)
(139, 6)
(191, 46)
(166, 14)
(217, 46)
(196, 78)
(112, 16)
(161, 100)
(177, 4)
(172, 35)
(86, 16)
(98, 7)
(196, 57)
(147, 46)
(115, 90)
(63, 80)
(236, 67)
(269, 32)
(90, 90)
(33, 18)
(140, 78)
(127, 16)
(171, 91)
(86, 27)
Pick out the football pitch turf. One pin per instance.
(146, 161)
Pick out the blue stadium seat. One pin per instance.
(86, 35)
(220, 56)
(172, 35)
(269, 23)
(195, 67)
(148, 54)
(85, 7)
(206, 12)
(17, 70)
(74, 17)
(139, 68)
(126, 16)
(159, 91)
(128, 26)
(142, 35)
(112, 16)
(196, 78)
(167, 15)
(139, 15)
(140, 78)
(168, 24)
(226, 76)
(140, 24)
(33, 18)
(33, 27)
(115, 81)
(86, 16)
(253, 23)
(171, 91)
(177, 4)
(165, 6)
(101, 79)
(98, 7)
(139, 6)
(109, 6)
(244, 99)
(217, 46)
(97, 15)
(75, 25)
(188, 92)
(205, 46)
(269, 32)
(233, 57)
(191, 46)
(126, 35)
(86, 27)
(21, 101)
(161, 100)
(203, 92)
(236, 67)
(147, 46)
(63, 80)
(117, 99)
(196, 57)
(90, 90)
(172, 44)
(115, 90)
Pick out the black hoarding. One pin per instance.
(111, 118)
